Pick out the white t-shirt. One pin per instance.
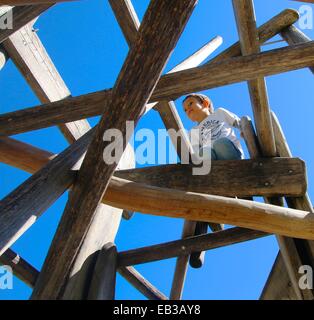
(217, 125)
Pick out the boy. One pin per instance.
(217, 141)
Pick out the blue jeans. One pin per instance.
(223, 149)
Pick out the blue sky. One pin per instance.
(88, 49)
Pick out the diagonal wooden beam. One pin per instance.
(154, 45)
(29, 55)
(171, 86)
(292, 35)
(140, 283)
(20, 267)
(22, 15)
(246, 24)
(186, 246)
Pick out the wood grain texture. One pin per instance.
(103, 283)
(188, 245)
(21, 268)
(30, 57)
(90, 105)
(162, 25)
(22, 15)
(292, 35)
(140, 283)
(241, 178)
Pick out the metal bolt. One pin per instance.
(266, 184)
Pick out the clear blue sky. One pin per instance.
(88, 49)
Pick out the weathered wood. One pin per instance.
(127, 19)
(154, 44)
(292, 35)
(278, 285)
(103, 282)
(22, 15)
(90, 105)
(188, 245)
(241, 178)
(246, 24)
(309, 1)
(30, 57)
(141, 284)
(288, 250)
(20, 267)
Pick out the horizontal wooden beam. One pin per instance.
(241, 178)
(188, 245)
(140, 283)
(22, 15)
(21, 268)
(170, 86)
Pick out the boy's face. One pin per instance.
(195, 109)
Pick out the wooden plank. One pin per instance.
(127, 103)
(141, 284)
(246, 24)
(241, 178)
(29, 55)
(103, 282)
(170, 86)
(22, 15)
(21, 268)
(89, 105)
(292, 35)
(188, 245)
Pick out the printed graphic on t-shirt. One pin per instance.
(211, 130)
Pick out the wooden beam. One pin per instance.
(292, 35)
(188, 245)
(103, 284)
(140, 283)
(170, 86)
(22, 15)
(309, 1)
(230, 178)
(154, 44)
(288, 249)
(21, 268)
(30, 57)
(246, 24)
(127, 19)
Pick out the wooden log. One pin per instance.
(30, 57)
(241, 178)
(103, 282)
(127, 19)
(292, 35)
(21, 268)
(246, 24)
(89, 105)
(141, 284)
(171, 86)
(288, 250)
(188, 245)
(22, 15)
(154, 44)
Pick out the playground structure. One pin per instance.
(82, 261)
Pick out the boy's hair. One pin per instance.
(201, 98)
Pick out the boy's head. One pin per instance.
(197, 106)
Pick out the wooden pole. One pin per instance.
(183, 247)
(140, 283)
(154, 44)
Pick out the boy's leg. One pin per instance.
(226, 150)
